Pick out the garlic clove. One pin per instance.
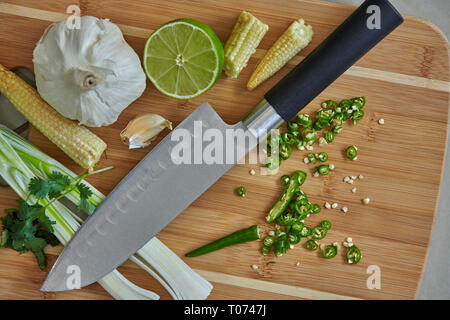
(142, 130)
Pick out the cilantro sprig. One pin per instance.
(28, 228)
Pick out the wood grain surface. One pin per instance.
(405, 80)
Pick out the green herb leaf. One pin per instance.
(37, 246)
(84, 204)
(47, 236)
(59, 183)
(39, 188)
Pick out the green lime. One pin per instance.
(183, 58)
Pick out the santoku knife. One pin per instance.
(157, 189)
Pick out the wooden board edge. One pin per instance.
(358, 71)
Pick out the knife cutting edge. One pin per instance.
(157, 190)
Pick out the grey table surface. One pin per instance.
(435, 283)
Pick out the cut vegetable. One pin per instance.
(80, 144)
(242, 43)
(241, 236)
(183, 58)
(294, 39)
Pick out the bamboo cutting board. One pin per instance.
(405, 80)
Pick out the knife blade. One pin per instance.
(158, 189)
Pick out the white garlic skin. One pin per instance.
(89, 74)
(142, 130)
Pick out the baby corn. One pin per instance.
(294, 39)
(245, 38)
(80, 144)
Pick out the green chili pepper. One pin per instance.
(324, 116)
(323, 169)
(359, 102)
(285, 151)
(289, 220)
(278, 232)
(304, 120)
(299, 144)
(281, 245)
(323, 157)
(293, 127)
(329, 136)
(353, 255)
(300, 176)
(318, 125)
(346, 103)
(273, 143)
(306, 231)
(268, 241)
(273, 162)
(329, 251)
(319, 232)
(315, 208)
(311, 245)
(331, 104)
(337, 129)
(285, 179)
(280, 206)
(351, 152)
(326, 224)
(357, 115)
(309, 136)
(312, 158)
(294, 238)
(265, 250)
(288, 138)
(241, 191)
(297, 227)
(241, 236)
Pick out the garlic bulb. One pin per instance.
(142, 130)
(89, 74)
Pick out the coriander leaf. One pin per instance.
(60, 179)
(84, 204)
(39, 188)
(58, 183)
(48, 237)
(22, 231)
(44, 220)
(37, 246)
(26, 211)
(85, 191)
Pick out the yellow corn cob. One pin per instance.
(80, 144)
(294, 39)
(245, 38)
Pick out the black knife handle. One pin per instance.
(340, 50)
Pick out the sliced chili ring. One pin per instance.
(329, 251)
(353, 255)
(311, 245)
(319, 232)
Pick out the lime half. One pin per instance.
(183, 58)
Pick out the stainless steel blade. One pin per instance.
(143, 203)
